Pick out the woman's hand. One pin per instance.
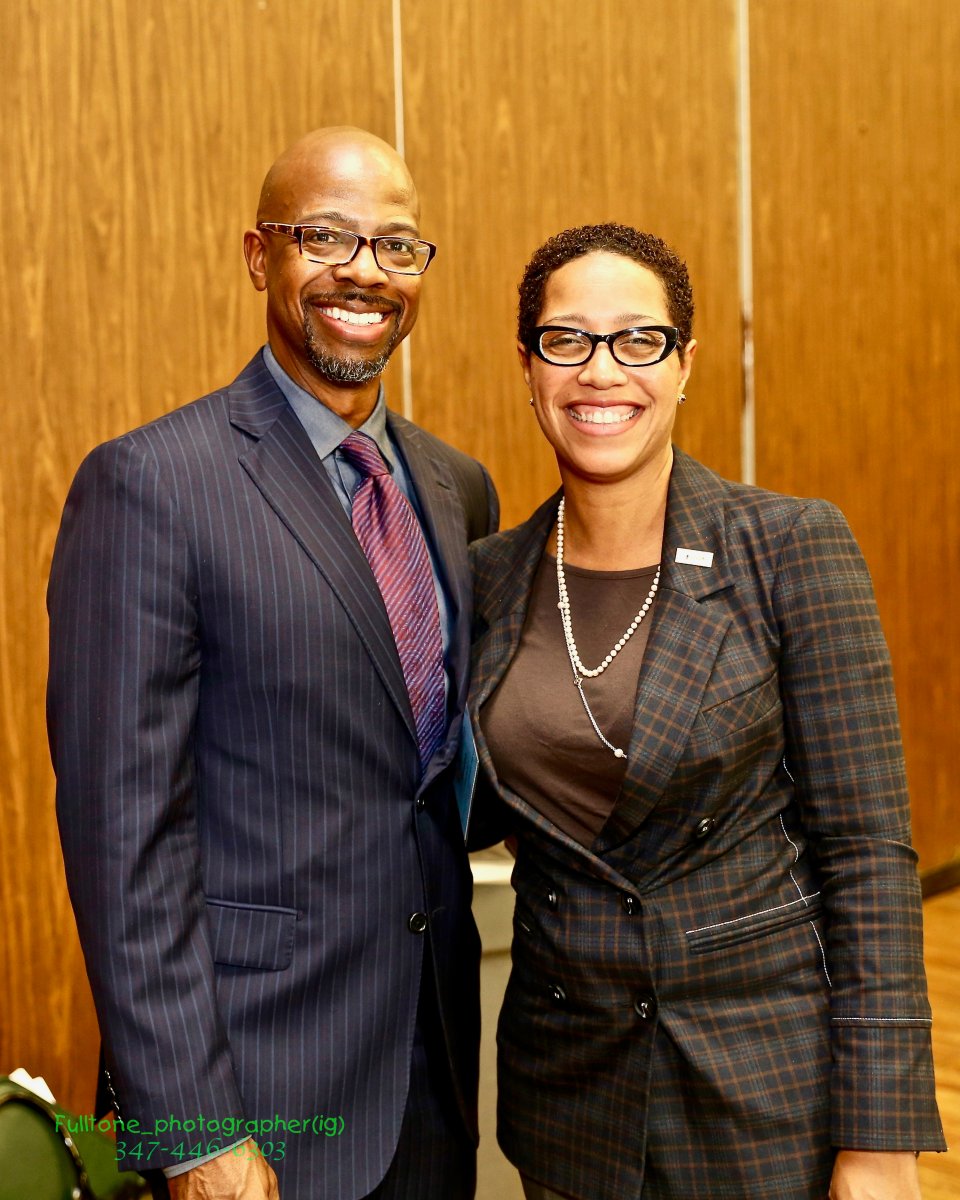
(875, 1175)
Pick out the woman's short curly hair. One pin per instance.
(645, 248)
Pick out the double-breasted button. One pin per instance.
(705, 827)
(552, 898)
(417, 922)
(630, 904)
(644, 1007)
(557, 994)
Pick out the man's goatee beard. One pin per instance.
(344, 370)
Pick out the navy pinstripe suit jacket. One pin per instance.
(237, 784)
(669, 1029)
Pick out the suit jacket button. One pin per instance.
(421, 803)
(705, 826)
(552, 898)
(644, 1007)
(417, 922)
(629, 903)
(557, 993)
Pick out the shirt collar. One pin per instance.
(325, 429)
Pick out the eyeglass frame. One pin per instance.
(296, 232)
(670, 332)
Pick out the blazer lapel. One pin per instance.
(505, 576)
(284, 466)
(690, 621)
(503, 611)
(688, 628)
(504, 607)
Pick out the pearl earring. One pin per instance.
(531, 402)
(681, 399)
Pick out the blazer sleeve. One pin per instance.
(122, 703)
(844, 752)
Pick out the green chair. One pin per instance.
(38, 1161)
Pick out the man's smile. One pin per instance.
(353, 318)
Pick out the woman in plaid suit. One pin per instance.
(684, 708)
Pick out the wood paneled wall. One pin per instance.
(856, 167)
(523, 119)
(134, 138)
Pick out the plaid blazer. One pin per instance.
(729, 982)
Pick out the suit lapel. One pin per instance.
(688, 628)
(443, 519)
(284, 466)
(445, 527)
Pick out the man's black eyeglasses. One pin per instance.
(325, 244)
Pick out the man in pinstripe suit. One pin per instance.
(272, 892)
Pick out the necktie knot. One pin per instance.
(363, 453)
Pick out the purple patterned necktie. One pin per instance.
(387, 529)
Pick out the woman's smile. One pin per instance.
(608, 417)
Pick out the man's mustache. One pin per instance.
(380, 303)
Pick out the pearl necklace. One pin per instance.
(580, 672)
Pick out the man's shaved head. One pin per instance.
(338, 150)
